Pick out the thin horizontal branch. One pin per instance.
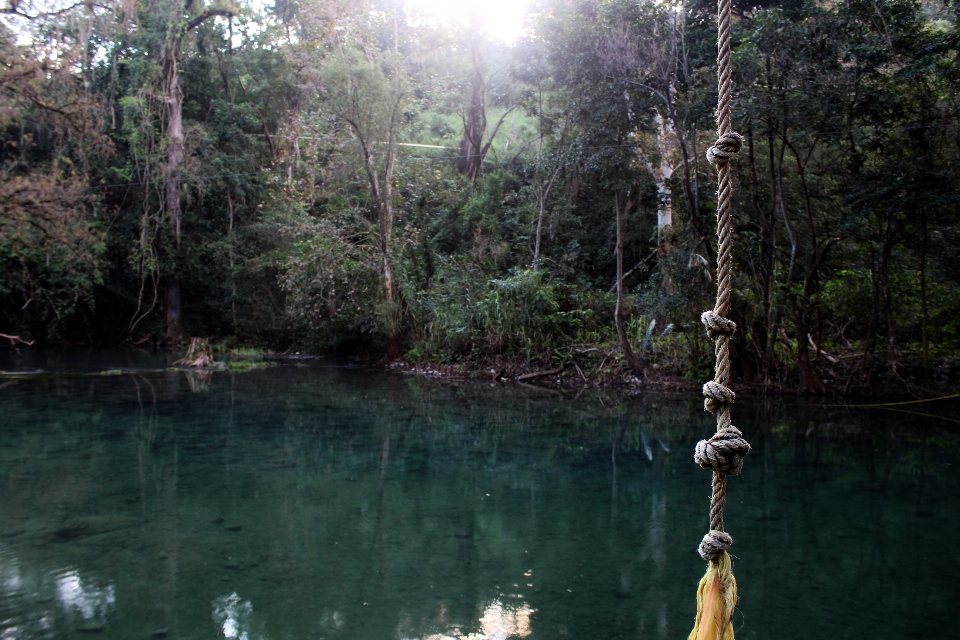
(16, 339)
(209, 13)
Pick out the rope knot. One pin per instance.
(724, 149)
(723, 453)
(717, 325)
(717, 396)
(714, 544)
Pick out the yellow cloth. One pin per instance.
(716, 601)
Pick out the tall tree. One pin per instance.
(368, 92)
(183, 16)
(475, 144)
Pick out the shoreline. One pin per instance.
(906, 379)
(573, 377)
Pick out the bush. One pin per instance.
(472, 316)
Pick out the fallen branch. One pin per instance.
(823, 353)
(16, 339)
(539, 374)
(585, 381)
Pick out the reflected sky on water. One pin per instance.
(318, 501)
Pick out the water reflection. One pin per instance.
(499, 621)
(199, 381)
(35, 603)
(331, 622)
(234, 617)
(81, 597)
(10, 578)
(308, 503)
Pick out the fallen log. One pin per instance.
(16, 339)
(539, 374)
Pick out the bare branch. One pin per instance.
(16, 339)
(496, 128)
(209, 13)
(13, 9)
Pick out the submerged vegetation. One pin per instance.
(350, 177)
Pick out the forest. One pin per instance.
(361, 179)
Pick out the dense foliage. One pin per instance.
(345, 176)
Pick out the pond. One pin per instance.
(314, 500)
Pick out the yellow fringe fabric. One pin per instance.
(716, 601)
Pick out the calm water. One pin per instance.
(312, 501)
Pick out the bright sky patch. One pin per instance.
(501, 19)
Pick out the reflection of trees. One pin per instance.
(348, 489)
(199, 381)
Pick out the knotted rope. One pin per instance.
(724, 452)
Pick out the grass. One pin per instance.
(444, 129)
(247, 365)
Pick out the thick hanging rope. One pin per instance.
(723, 453)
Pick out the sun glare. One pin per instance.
(501, 19)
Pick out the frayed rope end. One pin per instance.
(716, 601)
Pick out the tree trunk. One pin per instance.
(923, 289)
(542, 201)
(628, 354)
(386, 233)
(808, 377)
(386, 239)
(224, 77)
(231, 238)
(198, 355)
(473, 150)
(174, 328)
(662, 177)
(174, 100)
(764, 336)
(474, 123)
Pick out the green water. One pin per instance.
(315, 501)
